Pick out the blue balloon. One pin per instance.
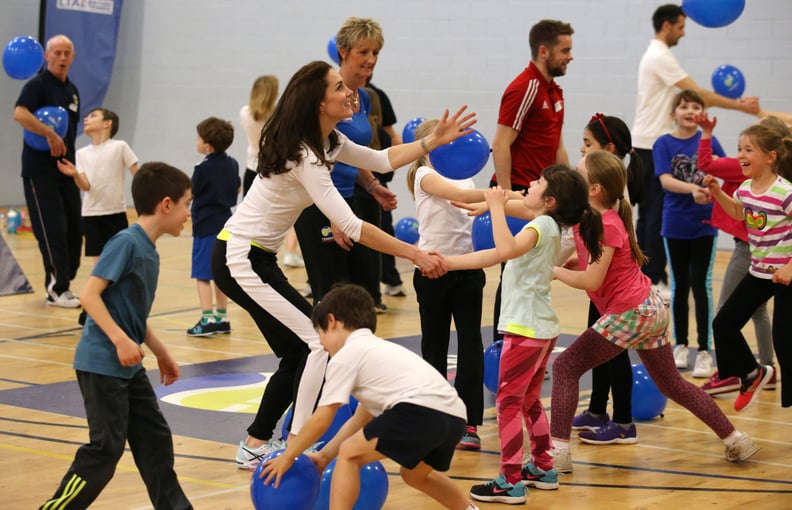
(298, 487)
(343, 414)
(647, 401)
(482, 230)
(408, 133)
(332, 49)
(53, 116)
(728, 81)
(463, 158)
(373, 487)
(406, 230)
(713, 13)
(492, 356)
(23, 57)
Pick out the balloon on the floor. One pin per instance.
(492, 356)
(647, 401)
(373, 487)
(298, 487)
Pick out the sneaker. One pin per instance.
(65, 300)
(499, 491)
(612, 433)
(394, 290)
(716, 385)
(587, 421)
(663, 290)
(307, 292)
(771, 384)
(535, 477)
(380, 308)
(681, 356)
(208, 328)
(741, 450)
(703, 367)
(749, 389)
(293, 260)
(470, 440)
(562, 460)
(223, 326)
(249, 458)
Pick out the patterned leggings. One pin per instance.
(591, 349)
(520, 377)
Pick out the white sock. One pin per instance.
(560, 445)
(732, 438)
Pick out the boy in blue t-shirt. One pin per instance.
(215, 186)
(120, 404)
(687, 229)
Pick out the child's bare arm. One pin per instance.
(317, 424)
(591, 279)
(129, 352)
(169, 369)
(730, 205)
(67, 168)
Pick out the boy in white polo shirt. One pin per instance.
(407, 411)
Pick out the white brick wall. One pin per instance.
(180, 61)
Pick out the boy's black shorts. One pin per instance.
(409, 434)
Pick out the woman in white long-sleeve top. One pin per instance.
(299, 145)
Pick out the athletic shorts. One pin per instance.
(202, 257)
(409, 434)
(99, 229)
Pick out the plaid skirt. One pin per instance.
(642, 327)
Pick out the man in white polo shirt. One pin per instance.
(660, 77)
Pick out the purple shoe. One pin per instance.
(587, 421)
(612, 433)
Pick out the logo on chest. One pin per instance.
(755, 221)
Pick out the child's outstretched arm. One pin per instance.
(514, 207)
(436, 186)
(129, 352)
(591, 279)
(730, 205)
(317, 424)
(348, 429)
(507, 246)
(66, 167)
(169, 369)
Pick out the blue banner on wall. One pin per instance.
(92, 25)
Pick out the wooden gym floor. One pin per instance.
(677, 463)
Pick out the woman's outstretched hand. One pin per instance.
(451, 128)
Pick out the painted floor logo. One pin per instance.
(229, 393)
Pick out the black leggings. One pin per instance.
(281, 389)
(734, 355)
(691, 263)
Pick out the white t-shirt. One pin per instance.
(442, 227)
(274, 203)
(105, 166)
(658, 73)
(381, 374)
(525, 298)
(252, 129)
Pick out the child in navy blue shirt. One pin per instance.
(215, 184)
(687, 229)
